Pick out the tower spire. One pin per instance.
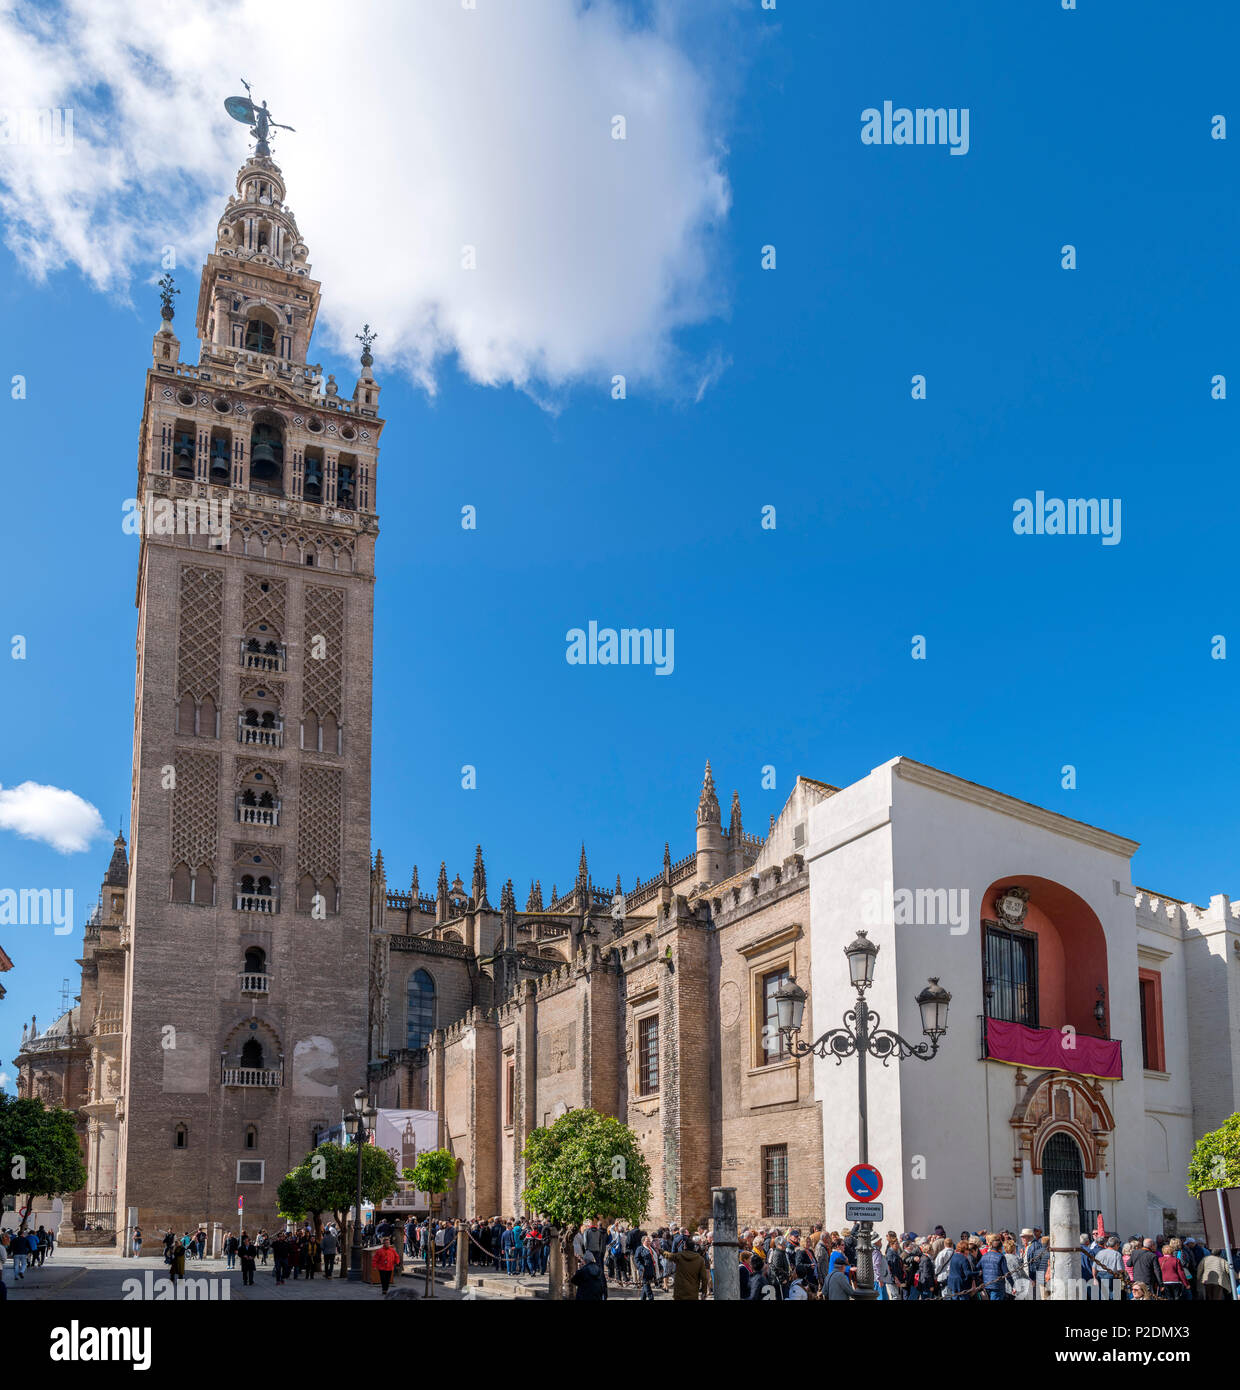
(479, 884)
(734, 826)
(708, 802)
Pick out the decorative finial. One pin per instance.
(166, 290)
(366, 337)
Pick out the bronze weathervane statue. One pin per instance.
(258, 118)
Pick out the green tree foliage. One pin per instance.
(586, 1165)
(434, 1171)
(1216, 1158)
(40, 1155)
(326, 1180)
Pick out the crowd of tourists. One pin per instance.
(818, 1263)
(23, 1250)
(773, 1263)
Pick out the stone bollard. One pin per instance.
(1065, 1236)
(462, 1255)
(723, 1229)
(555, 1265)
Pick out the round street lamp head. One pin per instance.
(861, 953)
(933, 1002)
(359, 1099)
(790, 1005)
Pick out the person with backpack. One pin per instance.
(763, 1286)
(691, 1280)
(996, 1274)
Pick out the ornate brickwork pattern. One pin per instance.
(324, 674)
(263, 607)
(201, 631)
(319, 822)
(194, 809)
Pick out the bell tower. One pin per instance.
(247, 914)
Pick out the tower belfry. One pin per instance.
(248, 909)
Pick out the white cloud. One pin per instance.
(421, 128)
(57, 817)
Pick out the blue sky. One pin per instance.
(894, 516)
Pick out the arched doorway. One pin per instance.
(1063, 1170)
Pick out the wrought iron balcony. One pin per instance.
(253, 982)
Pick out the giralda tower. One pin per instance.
(247, 917)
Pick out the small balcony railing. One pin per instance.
(258, 815)
(258, 902)
(255, 982)
(262, 660)
(112, 1021)
(266, 735)
(251, 1076)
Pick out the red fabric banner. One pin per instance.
(1049, 1049)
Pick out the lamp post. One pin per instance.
(861, 1037)
(357, 1124)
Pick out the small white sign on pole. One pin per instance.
(863, 1211)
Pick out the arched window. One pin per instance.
(267, 456)
(180, 1137)
(313, 490)
(252, 1054)
(204, 886)
(420, 1015)
(181, 884)
(255, 961)
(305, 893)
(260, 336)
(184, 450)
(251, 1137)
(221, 458)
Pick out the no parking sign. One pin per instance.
(863, 1182)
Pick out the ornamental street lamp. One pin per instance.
(861, 1037)
(357, 1124)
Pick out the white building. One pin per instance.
(1032, 922)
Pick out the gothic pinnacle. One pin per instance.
(708, 803)
(413, 884)
(734, 829)
(479, 884)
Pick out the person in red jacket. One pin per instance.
(385, 1260)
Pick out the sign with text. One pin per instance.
(863, 1211)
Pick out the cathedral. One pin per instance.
(248, 966)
